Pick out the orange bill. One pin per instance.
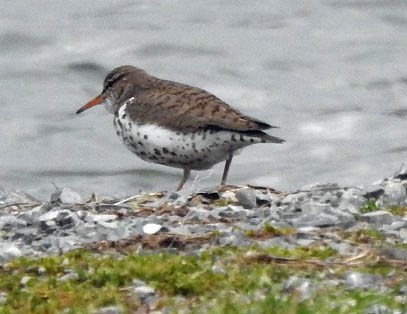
(95, 101)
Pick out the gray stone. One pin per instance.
(302, 286)
(32, 215)
(403, 290)
(355, 280)
(9, 222)
(380, 217)
(144, 292)
(24, 280)
(343, 248)
(403, 235)
(97, 218)
(3, 298)
(231, 211)
(51, 215)
(233, 238)
(108, 225)
(262, 199)
(282, 242)
(379, 309)
(395, 253)
(70, 275)
(246, 197)
(396, 225)
(9, 251)
(112, 309)
(321, 220)
(27, 234)
(69, 196)
(395, 194)
(197, 214)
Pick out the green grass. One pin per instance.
(371, 206)
(244, 285)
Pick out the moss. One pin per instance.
(398, 210)
(268, 231)
(369, 206)
(182, 282)
(370, 236)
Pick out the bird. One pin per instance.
(175, 124)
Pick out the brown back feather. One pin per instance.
(182, 107)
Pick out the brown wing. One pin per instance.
(182, 107)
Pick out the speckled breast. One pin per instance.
(198, 150)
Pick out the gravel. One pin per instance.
(314, 214)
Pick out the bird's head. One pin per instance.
(119, 85)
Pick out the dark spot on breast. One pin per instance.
(252, 140)
(124, 116)
(119, 123)
(173, 154)
(133, 145)
(143, 153)
(131, 138)
(165, 150)
(138, 133)
(118, 133)
(140, 143)
(157, 152)
(242, 138)
(145, 136)
(233, 138)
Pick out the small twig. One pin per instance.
(19, 204)
(127, 200)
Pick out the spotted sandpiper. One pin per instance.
(174, 124)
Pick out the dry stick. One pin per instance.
(19, 204)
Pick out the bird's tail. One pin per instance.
(272, 139)
(264, 137)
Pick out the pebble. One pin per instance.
(112, 309)
(378, 217)
(246, 197)
(3, 297)
(358, 280)
(151, 228)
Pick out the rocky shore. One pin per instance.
(359, 224)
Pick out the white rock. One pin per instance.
(51, 215)
(69, 196)
(151, 228)
(12, 252)
(24, 280)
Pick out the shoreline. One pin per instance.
(343, 226)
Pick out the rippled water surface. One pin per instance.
(331, 74)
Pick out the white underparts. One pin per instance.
(197, 151)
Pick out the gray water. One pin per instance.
(331, 74)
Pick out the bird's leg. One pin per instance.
(184, 179)
(226, 169)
